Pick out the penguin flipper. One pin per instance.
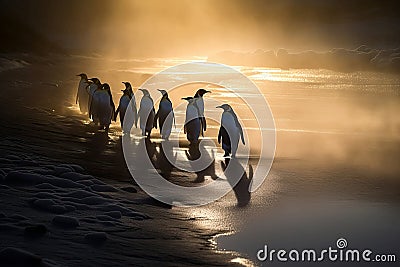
(239, 126)
(116, 113)
(204, 123)
(251, 172)
(155, 120)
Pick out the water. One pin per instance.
(338, 139)
(337, 148)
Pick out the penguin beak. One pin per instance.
(218, 107)
(207, 92)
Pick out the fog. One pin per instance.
(128, 28)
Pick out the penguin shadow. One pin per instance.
(164, 158)
(151, 148)
(98, 143)
(241, 189)
(194, 153)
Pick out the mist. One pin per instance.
(200, 28)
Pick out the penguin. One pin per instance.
(192, 125)
(146, 113)
(93, 87)
(200, 104)
(230, 131)
(164, 109)
(123, 106)
(103, 106)
(82, 95)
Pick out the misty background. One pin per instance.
(130, 28)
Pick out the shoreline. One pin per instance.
(46, 139)
(48, 127)
(159, 215)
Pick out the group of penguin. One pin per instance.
(95, 99)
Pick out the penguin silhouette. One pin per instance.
(93, 87)
(82, 95)
(126, 98)
(103, 106)
(146, 113)
(230, 131)
(200, 104)
(192, 125)
(165, 115)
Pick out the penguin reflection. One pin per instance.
(150, 148)
(194, 154)
(241, 189)
(165, 159)
(97, 145)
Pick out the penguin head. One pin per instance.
(225, 107)
(82, 75)
(145, 92)
(163, 92)
(188, 99)
(127, 85)
(128, 88)
(201, 92)
(95, 81)
(106, 87)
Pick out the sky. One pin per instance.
(185, 27)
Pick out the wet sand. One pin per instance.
(54, 164)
